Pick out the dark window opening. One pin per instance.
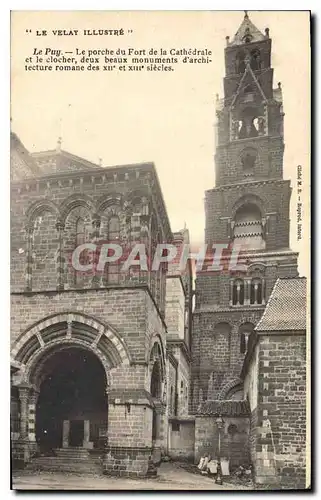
(255, 60)
(240, 63)
(238, 293)
(242, 344)
(175, 426)
(154, 426)
(256, 292)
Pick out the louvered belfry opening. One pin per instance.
(248, 228)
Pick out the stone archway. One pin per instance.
(76, 346)
(157, 389)
(72, 403)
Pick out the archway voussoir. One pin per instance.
(70, 317)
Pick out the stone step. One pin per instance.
(98, 470)
(72, 451)
(41, 460)
(61, 464)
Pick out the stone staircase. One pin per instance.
(78, 460)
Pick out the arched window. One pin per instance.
(242, 343)
(248, 228)
(244, 333)
(240, 62)
(80, 232)
(255, 60)
(238, 293)
(256, 292)
(249, 125)
(155, 384)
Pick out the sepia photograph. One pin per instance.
(160, 250)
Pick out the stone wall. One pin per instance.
(136, 321)
(181, 439)
(175, 307)
(216, 356)
(278, 422)
(275, 198)
(234, 439)
(129, 311)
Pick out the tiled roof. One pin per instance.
(231, 408)
(286, 308)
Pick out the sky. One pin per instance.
(164, 117)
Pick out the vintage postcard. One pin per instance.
(160, 262)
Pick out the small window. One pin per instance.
(255, 59)
(256, 292)
(240, 63)
(242, 343)
(175, 426)
(238, 293)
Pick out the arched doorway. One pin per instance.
(72, 405)
(63, 368)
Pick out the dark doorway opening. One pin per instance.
(76, 433)
(73, 388)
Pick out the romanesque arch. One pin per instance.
(231, 388)
(41, 254)
(247, 199)
(70, 328)
(111, 199)
(38, 208)
(63, 364)
(75, 201)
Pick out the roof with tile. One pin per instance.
(286, 307)
(230, 408)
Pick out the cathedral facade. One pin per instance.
(115, 368)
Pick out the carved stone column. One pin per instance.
(60, 257)
(29, 260)
(247, 291)
(95, 237)
(24, 398)
(33, 397)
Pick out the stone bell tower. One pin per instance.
(249, 207)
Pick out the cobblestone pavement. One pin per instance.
(170, 477)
